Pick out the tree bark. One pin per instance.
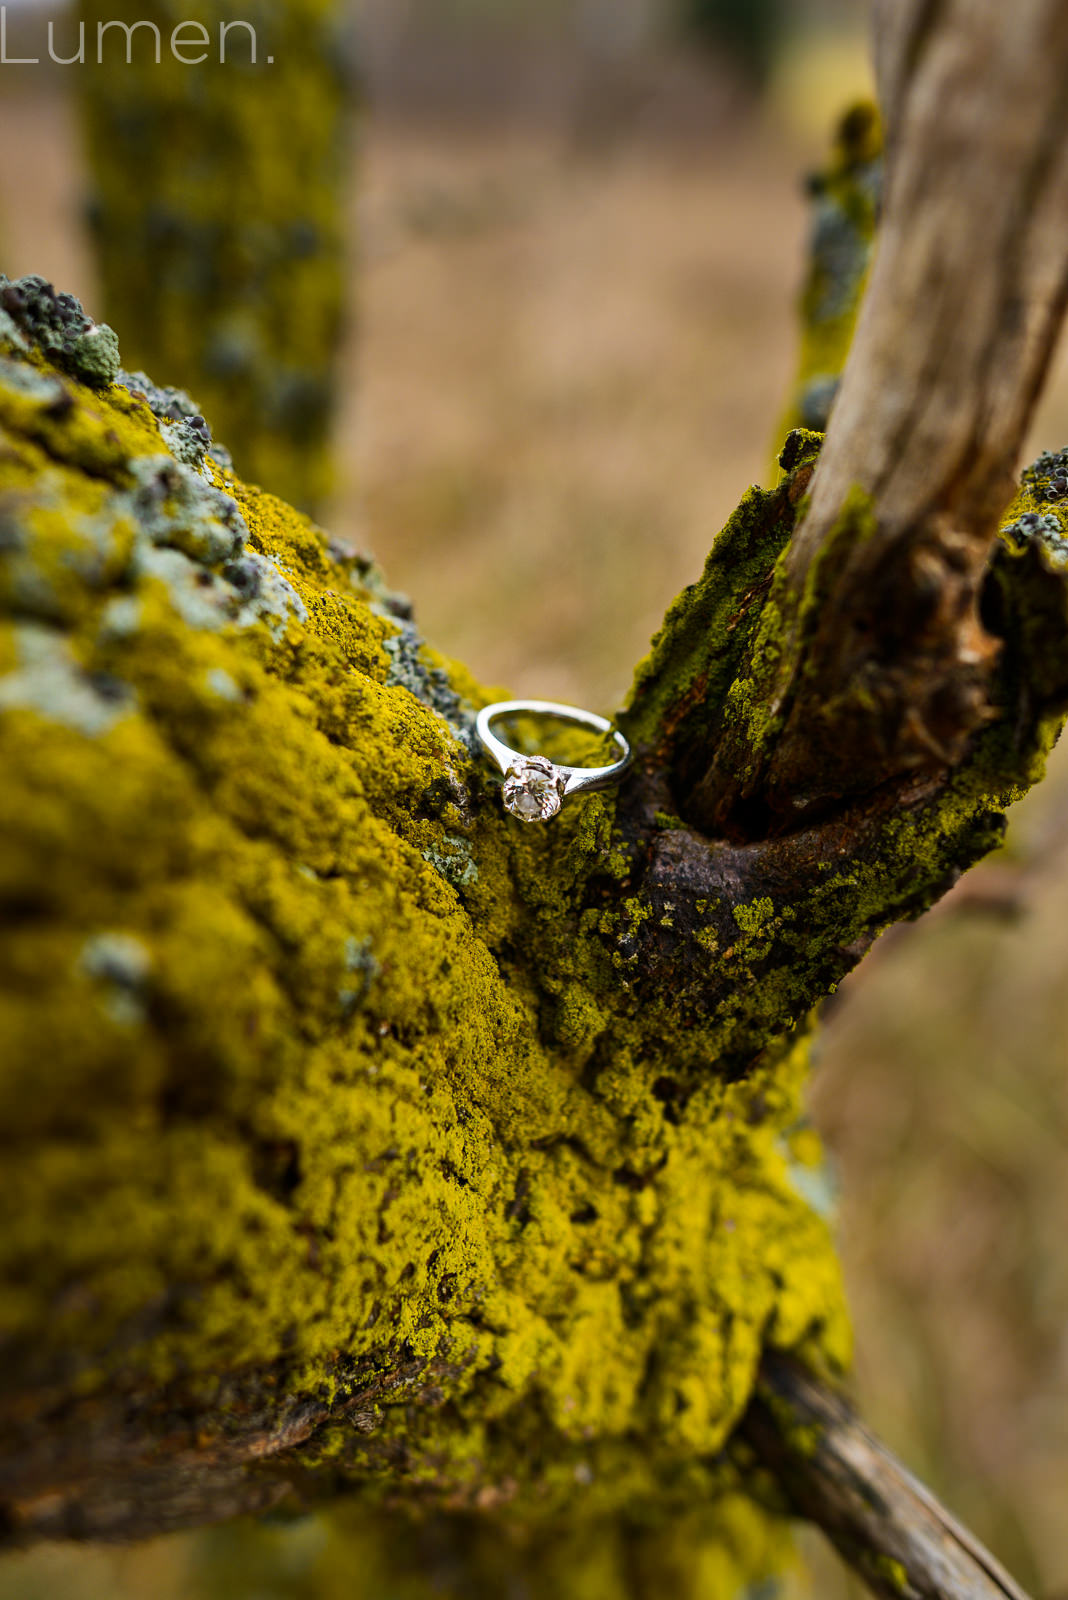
(881, 670)
(220, 189)
(884, 1524)
(361, 1138)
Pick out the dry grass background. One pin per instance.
(575, 332)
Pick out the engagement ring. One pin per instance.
(535, 787)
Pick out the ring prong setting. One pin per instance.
(532, 789)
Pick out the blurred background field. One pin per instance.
(581, 236)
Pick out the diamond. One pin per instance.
(532, 790)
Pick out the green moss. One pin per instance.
(219, 222)
(352, 1081)
(344, 1073)
(694, 664)
(777, 645)
(752, 918)
(844, 200)
(888, 1572)
(783, 651)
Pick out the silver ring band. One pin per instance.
(534, 786)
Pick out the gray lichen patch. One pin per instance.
(49, 681)
(841, 247)
(199, 597)
(11, 335)
(411, 670)
(61, 330)
(121, 617)
(187, 442)
(815, 400)
(171, 525)
(120, 964)
(1047, 476)
(222, 684)
(363, 968)
(456, 864)
(176, 507)
(1041, 528)
(184, 430)
(368, 580)
(41, 388)
(263, 593)
(52, 555)
(247, 591)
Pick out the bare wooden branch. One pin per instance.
(883, 1522)
(883, 664)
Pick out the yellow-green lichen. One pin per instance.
(719, 1552)
(321, 1074)
(314, 1063)
(845, 199)
(888, 1572)
(694, 663)
(220, 221)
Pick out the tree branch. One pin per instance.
(881, 666)
(233, 285)
(382, 1141)
(883, 1522)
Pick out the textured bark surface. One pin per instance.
(382, 1141)
(362, 1139)
(353, 1139)
(882, 668)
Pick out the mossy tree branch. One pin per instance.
(343, 1148)
(882, 666)
(361, 1139)
(220, 187)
